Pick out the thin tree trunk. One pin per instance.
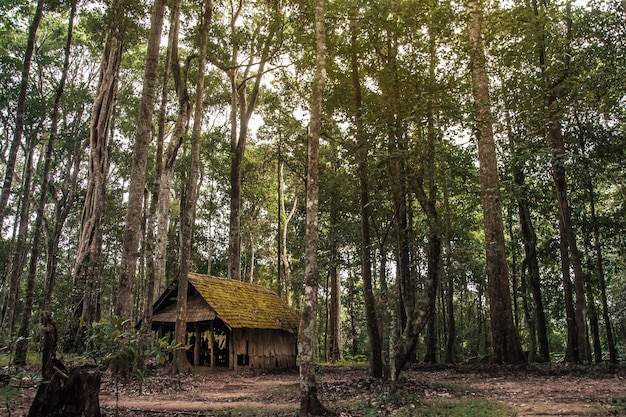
(19, 250)
(62, 208)
(571, 350)
(284, 227)
(529, 315)
(506, 344)
(20, 112)
(450, 344)
(143, 136)
(307, 338)
(601, 280)
(152, 286)
(529, 240)
(171, 153)
(335, 353)
(373, 331)
(554, 139)
(21, 347)
(180, 363)
(594, 326)
(242, 108)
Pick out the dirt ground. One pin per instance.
(547, 391)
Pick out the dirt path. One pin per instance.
(208, 392)
(555, 392)
(571, 394)
(565, 395)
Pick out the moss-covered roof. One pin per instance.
(243, 305)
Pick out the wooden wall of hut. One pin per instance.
(265, 349)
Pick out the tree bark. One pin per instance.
(310, 404)
(143, 136)
(21, 347)
(506, 344)
(18, 257)
(450, 342)
(373, 332)
(529, 241)
(610, 341)
(554, 139)
(87, 265)
(153, 289)
(242, 108)
(162, 217)
(20, 111)
(571, 350)
(180, 363)
(284, 219)
(335, 352)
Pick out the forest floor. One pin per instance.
(424, 390)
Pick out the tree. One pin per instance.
(552, 80)
(132, 230)
(20, 111)
(373, 332)
(506, 344)
(21, 348)
(88, 257)
(241, 110)
(179, 76)
(307, 337)
(180, 363)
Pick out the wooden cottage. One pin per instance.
(232, 323)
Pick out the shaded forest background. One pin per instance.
(142, 140)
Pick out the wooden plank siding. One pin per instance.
(266, 348)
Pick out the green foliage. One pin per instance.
(125, 350)
(407, 406)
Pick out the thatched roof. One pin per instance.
(197, 310)
(238, 304)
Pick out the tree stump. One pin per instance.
(64, 392)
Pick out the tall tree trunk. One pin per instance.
(554, 139)
(180, 363)
(62, 208)
(242, 108)
(571, 350)
(21, 347)
(450, 342)
(162, 217)
(373, 332)
(307, 338)
(506, 344)
(143, 136)
(610, 341)
(152, 285)
(20, 111)
(19, 249)
(529, 315)
(335, 354)
(87, 264)
(529, 240)
(594, 326)
(284, 219)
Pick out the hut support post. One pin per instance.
(212, 345)
(231, 351)
(196, 347)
